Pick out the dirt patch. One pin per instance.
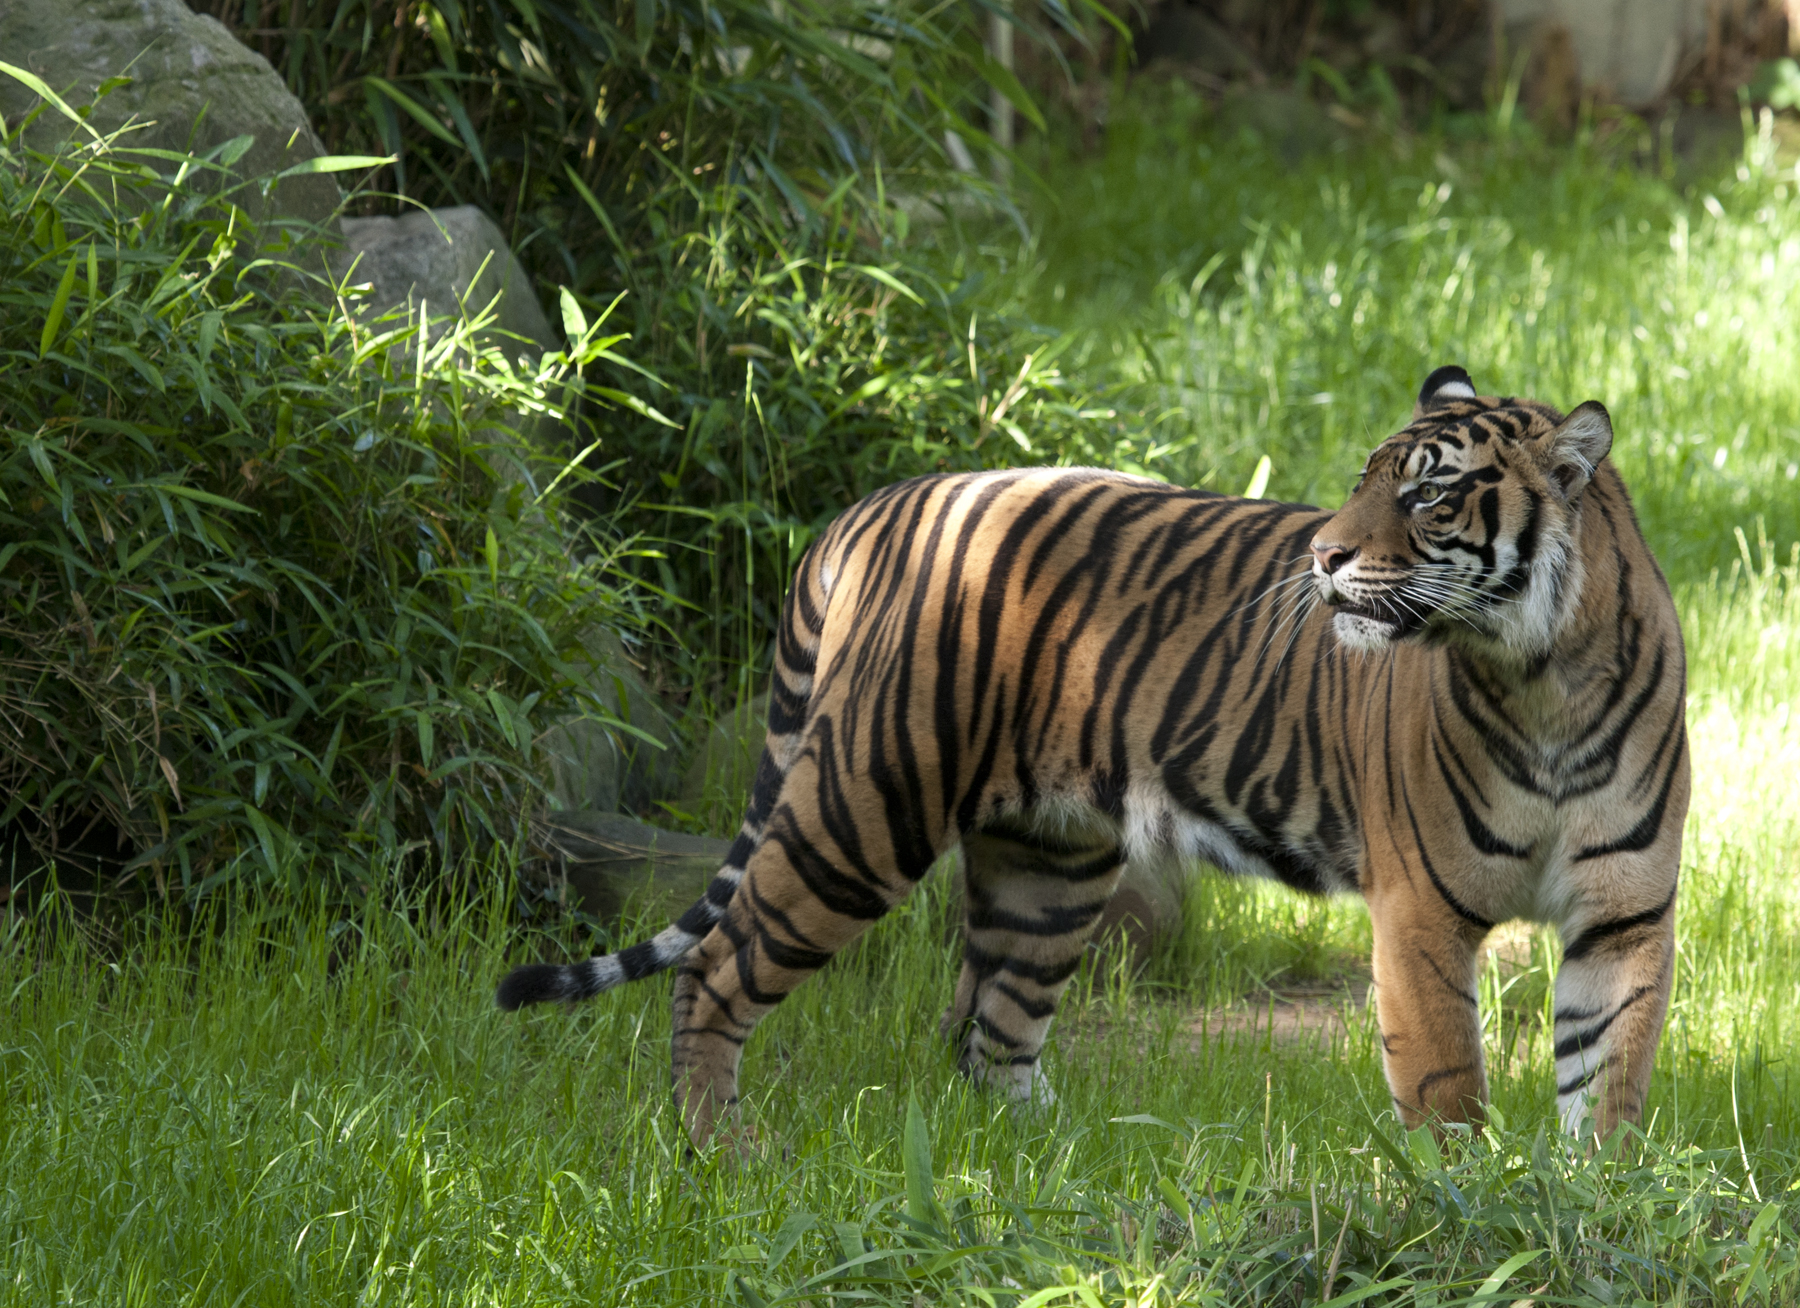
(1287, 1014)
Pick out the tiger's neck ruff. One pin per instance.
(1462, 696)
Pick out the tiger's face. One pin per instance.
(1463, 525)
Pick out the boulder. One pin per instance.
(1623, 49)
(192, 82)
(452, 261)
(598, 767)
(726, 757)
(440, 259)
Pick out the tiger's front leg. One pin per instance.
(1612, 992)
(1426, 947)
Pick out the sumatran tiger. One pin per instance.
(1461, 695)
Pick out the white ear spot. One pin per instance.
(1447, 383)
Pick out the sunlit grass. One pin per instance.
(1257, 306)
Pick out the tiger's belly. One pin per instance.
(1155, 830)
(1530, 871)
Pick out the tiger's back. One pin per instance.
(1461, 696)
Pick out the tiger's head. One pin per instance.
(1463, 524)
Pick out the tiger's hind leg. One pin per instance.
(829, 863)
(1034, 893)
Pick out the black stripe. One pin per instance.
(1468, 915)
(787, 710)
(1582, 1080)
(1584, 944)
(1036, 1009)
(1054, 920)
(985, 963)
(745, 960)
(838, 892)
(1480, 835)
(692, 1031)
(640, 960)
(1447, 983)
(994, 1033)
(1574, 1044)
(791, 958)
(1644, 834)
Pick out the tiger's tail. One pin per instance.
(790, 694)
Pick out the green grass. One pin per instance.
(279, 1107)
(291, 1109)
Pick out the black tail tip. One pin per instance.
(534, 983)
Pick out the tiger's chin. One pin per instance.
(1365, 633)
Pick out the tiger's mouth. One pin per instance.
(1374, 620)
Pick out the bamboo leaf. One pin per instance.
(335, 163)
(58, 305)
(37, 84)
(915, 1149)
(417, 111)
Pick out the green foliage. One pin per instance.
(734, 167)
(277, 592)
(812, 365)
(1777, 84)
(532, 109)
(332, 1111)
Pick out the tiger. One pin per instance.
(1461, 696)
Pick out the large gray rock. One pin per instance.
(598, 767)
(180, 63)
(725, 759)
(451, 262)
(440, 259)
(1626, 49)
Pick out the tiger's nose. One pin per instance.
(1329, 558)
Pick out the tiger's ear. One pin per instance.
(1446, 383)
(1574, 450)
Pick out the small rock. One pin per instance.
(442, 259)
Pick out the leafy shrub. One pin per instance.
(813, 358)
(277, 586)
(731, 165)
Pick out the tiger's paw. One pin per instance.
(1023, 1084)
